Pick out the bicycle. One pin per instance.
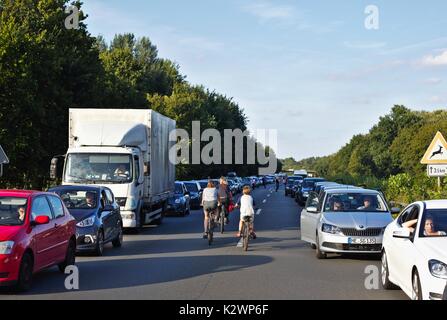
(245, 232)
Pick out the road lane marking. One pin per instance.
(268, 196)
(258, 212)
(264, 201)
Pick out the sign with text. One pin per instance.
(437, 170)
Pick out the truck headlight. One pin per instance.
(328, 228)
(6, 247)
(87, 222)
(131, 204)
(438, 269)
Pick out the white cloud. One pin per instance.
(269, 11)
(364, 45)
(434, 61)
(433, 81)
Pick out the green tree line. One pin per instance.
(387, 157)
(46, 68)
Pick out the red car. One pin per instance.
(36, 232)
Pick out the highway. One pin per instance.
(172, 261)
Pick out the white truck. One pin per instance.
(126, 150)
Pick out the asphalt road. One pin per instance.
(172, 261)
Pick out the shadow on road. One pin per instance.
(126, 273)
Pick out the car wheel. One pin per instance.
(385, 273)
(416, 292)
(118, 241)
(70, 257)
(318, 253)
(99, 249)
(25, 273)
(313, 246)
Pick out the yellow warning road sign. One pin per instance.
(437, 151)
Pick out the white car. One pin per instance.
(345, 220)
(414, 253)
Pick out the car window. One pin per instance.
(360, 202)
(57, 206)
(104, 200)
(109, 196)
(410, 213)
(434, 223)
(41, 207)
(313, 200)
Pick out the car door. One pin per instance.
(115, 216)
(45, 236)
(401, 251)
(61, 227)
(308, 219)
(106, 216)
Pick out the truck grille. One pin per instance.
(121, 201)
(370, 232)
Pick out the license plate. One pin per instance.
(362, 241)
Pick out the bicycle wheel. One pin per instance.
(222, 220)
(210, 230)
(246, 236)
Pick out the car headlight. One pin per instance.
(6, 247)
(328, 228)
(131, 204)
(306, 194)
(438, 269)
(177, 201)
(87, 222)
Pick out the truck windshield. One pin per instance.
(98, 168)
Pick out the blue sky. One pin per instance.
(309, 69)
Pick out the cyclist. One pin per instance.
(209, 203)
(247, 208)
(264, 182)
(224, 197)
(277, 184)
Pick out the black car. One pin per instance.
(306, 188)
(290, 183)
(195, 193)
(179, 203)
(97, 214)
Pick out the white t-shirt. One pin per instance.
(247, 208)
(209, 194)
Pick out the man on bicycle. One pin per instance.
(224, 196)
(209, 203)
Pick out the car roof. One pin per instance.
(77, 187)
(436, 204)
(19, 193)
(352, 190)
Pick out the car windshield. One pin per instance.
(12, 211)
(434, 223)
(354, 202)
(191, 187)
(97, 168)
(308, 184)
(203, 184)
(178, 188)
(79, 199)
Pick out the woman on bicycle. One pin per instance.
(224, 197)
(247, 208)
(209, 203)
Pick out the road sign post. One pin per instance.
(3, 160)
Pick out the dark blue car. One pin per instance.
(179, 203)
(97, 214)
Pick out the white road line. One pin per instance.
(258, 212)
(264, 201)
(268, 195)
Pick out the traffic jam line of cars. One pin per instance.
(341, 219)
(39, 230)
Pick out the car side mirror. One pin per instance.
(403, 233)
(39, 220)
(395, 210)
(312, 209)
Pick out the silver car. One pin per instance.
(345, 220)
